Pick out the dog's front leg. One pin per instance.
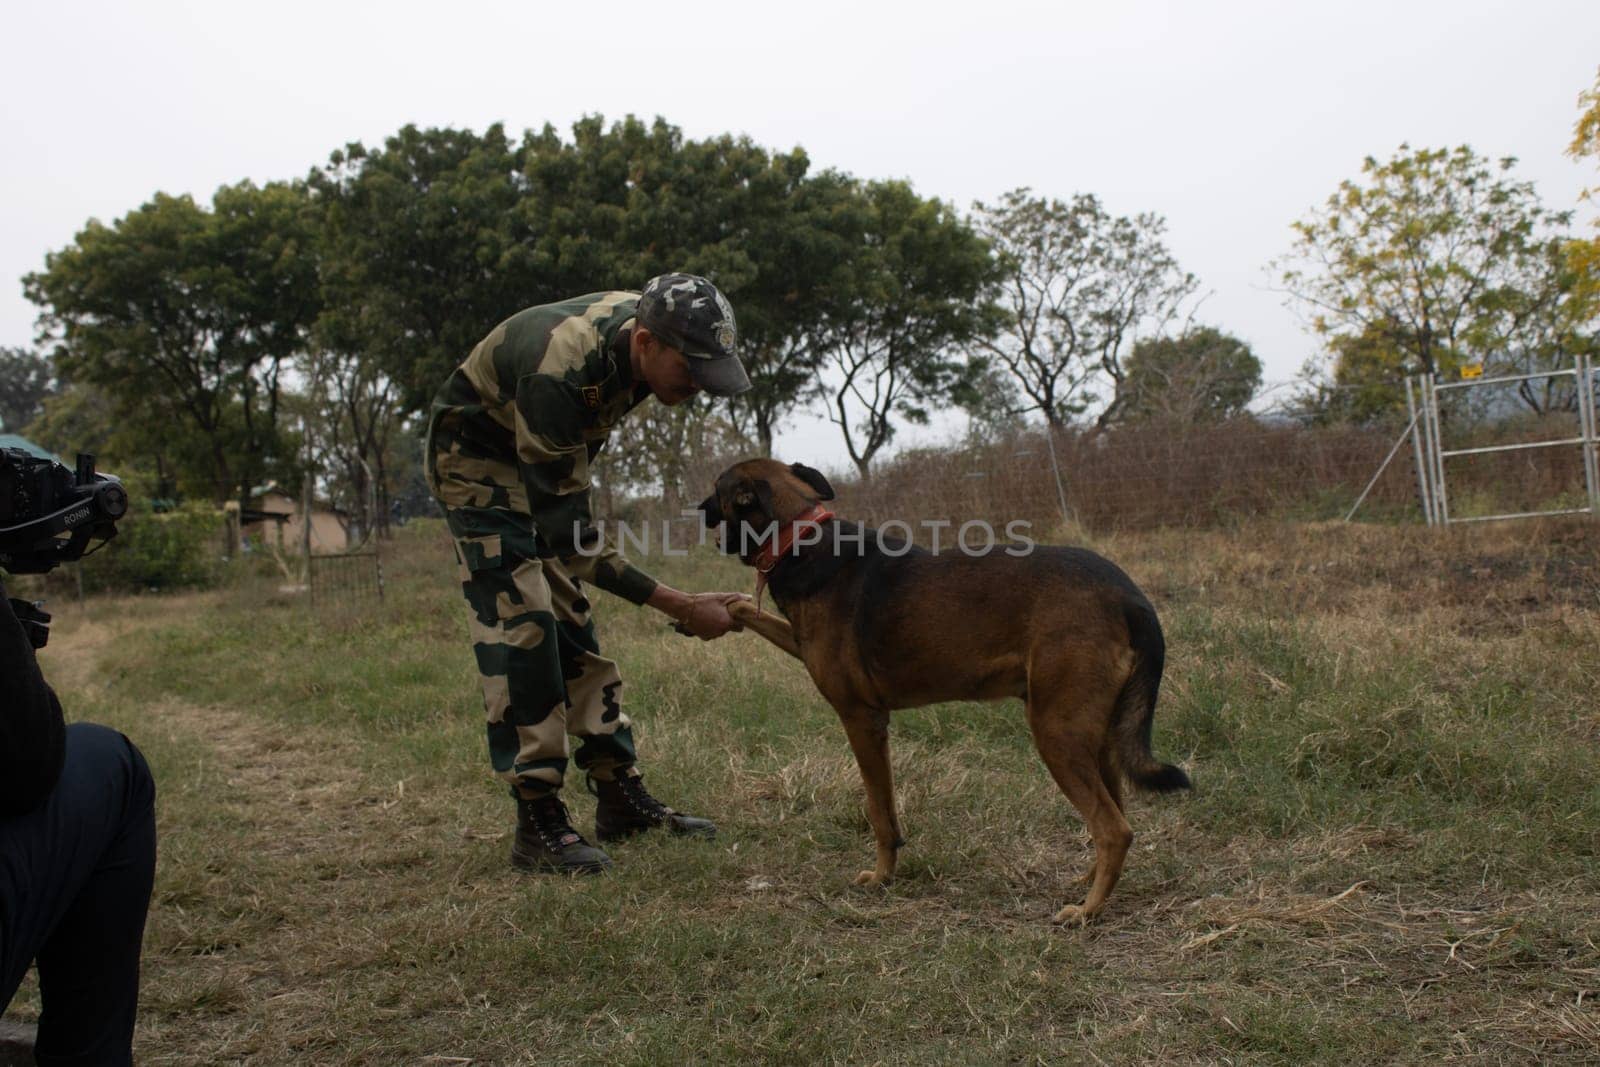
(869, 739)
(775, 629)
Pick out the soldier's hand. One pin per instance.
(707, 616)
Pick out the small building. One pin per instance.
(273, 518)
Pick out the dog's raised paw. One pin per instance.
(743, 612)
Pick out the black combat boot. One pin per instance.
(546, 840)
(627, 808)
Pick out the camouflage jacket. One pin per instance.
(517, 424)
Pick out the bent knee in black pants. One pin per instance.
(75, 879)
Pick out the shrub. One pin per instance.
(169, 550)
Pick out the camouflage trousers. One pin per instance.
(540, 664)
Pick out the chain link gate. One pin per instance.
(1422, 398)
(345, 578)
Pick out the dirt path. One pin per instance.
(240, 953)
(277, 766)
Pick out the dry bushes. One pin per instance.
(1153, 475)
(1139, 477)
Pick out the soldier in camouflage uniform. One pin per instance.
(510, 440)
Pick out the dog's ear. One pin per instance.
(711, 511)
(763, 490)
(813, 477)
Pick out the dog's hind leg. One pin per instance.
(869, 739)
(1069, 721)
(1111, 778)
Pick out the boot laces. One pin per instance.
(552, 823)
(633, 788)
(635, 795)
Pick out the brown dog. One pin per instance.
(881, 625)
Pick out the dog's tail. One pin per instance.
(1136, 706)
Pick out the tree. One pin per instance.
(1439, 258)
(1076, 286)
(26, 379)
(127, 436)
(1538, 319)
(426, 245)
(350, 412)
(442, 233)
(670, 453)
(620, 204)
(802, 254)
(1583, 256)
(83, 418)
(1586, 131)
(185, 317)
(1360, 387)
(1204, 375)
(914, 294)
(987, 392)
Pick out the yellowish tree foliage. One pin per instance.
(1584, 255)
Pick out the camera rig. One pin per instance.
(49, 514)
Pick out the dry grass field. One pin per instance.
(1390, 854)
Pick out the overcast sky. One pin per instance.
(1230, 119)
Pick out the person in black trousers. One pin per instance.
(77, 861)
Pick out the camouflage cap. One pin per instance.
(690, 314)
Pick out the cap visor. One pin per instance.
(719, 377)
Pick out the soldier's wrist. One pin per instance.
(671, 602)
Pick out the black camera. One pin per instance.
(49, 514)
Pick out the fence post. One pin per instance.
(1441, 497)
(1586, 423)
(232, 526)
(1055, 469)
(1427, 448)
(1416, 447)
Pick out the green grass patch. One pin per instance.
(1390, 854)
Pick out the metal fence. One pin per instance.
(1140, 477)
(1430, 434)
(345, 578)
(1203, 474)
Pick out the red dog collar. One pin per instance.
(769, 555)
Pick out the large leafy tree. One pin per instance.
(1359, 388)
(424, 250)
(1204, 375)
(1538, 319)
(1435, 259)
(894, 332)
(802, 252)
(26, 379)
(135, 437)
(1584, 255)
(1077, 286)
(185, 316)
(619, 204)
(441, 233)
